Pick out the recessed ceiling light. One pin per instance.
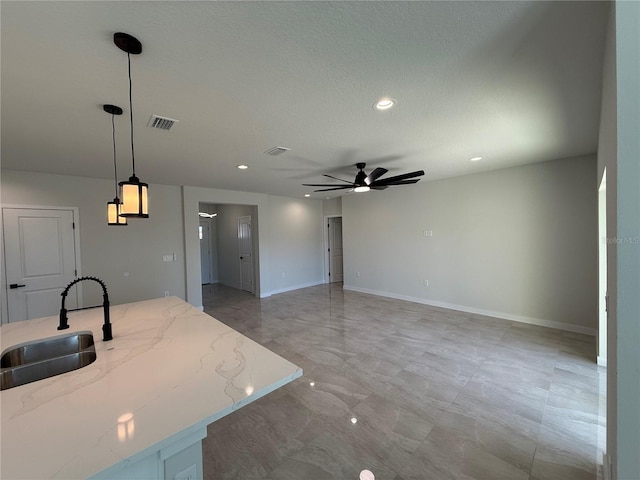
(312, 384)
(307, 194)
(354, 420)
(367, 475)
(384, 103)
(475, 159)
(242, 167)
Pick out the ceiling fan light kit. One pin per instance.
(134, 193)
(384, 103)
(364, 183)
(113, 208)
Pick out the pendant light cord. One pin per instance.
(133, 156)
(115, 165)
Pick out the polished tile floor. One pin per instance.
(409, 392)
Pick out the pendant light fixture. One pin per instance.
(113, 208)
(134, 193)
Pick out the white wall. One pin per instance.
(296, 240)
(519, 243)
(109, 252)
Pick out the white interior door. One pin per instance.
(245, 245)
(205, 250)
(40, 261)
(336, 273)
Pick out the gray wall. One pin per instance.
(333, 206)
(109, 252)
(295, 227)
(213, 238)
(627, 299)
(519, 243)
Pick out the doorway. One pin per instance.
(232, 246)
(41, 251)
(334, 256)
(602, 271)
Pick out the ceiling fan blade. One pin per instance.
(373, 176)
(325, 185)
(404, 176)
(401, 182)
(334, 188)
(336, 178)
(381, 187)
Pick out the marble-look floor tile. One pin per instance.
(445, 455)
(527, 401)
(506, 444)
(436, 394)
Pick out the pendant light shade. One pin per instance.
(133, 192)
(134, 198)
(113, 208)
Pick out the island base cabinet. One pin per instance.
(174, 459)
(185, 465)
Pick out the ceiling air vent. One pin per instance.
(163, 123)
(277, 151)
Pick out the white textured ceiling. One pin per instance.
(514, 82)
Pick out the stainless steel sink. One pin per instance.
(32, 361)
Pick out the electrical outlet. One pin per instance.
(428, 233)
(358, 274)
(284, 274)
(188, 473)
(166, 293)
(426, 283)
(167, 258)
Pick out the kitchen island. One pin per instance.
(142, 408)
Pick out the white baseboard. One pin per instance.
(291, 288)
(489, 313)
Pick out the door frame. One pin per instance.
(325, 243)
(4, 311)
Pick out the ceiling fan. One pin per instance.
(364, 182)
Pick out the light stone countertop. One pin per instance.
(169, 370)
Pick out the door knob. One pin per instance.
(15, 285)
(241, 258)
